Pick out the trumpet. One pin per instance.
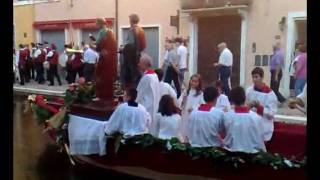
(68, 50)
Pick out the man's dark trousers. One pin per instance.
(224, 74)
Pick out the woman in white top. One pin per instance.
(191, 99)
(167, 123)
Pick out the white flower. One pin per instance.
(289, 163)
(32, 97)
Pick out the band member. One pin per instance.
(53, 58)
(262, 100)
(22, 63)
(40, 57)
(134, 45)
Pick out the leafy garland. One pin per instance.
(216, 155)
(84, 92)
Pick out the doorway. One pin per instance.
(211, 32)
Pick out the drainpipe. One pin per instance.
(116, 18)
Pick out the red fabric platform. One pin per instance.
(288, 140)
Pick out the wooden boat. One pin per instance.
(288, 140)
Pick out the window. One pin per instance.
(257, 60)
(265, 60)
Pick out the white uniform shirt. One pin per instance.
(223, 102)
(243, 132)
(149, 93)
(37, 53)
(90, 56)
(166, 89)
(167, 127)
(129, 120)
(269, 102)
(226, 57)
(50, 54)
(204, 128)
(182, 52)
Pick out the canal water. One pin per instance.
(37, 158)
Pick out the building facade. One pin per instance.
(249, 27)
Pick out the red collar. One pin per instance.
(149, 71)
(241, 109)
(263, 89)
(205, 107)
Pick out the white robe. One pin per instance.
(243, 132)
(149, 93)
(192, 102)
(167, 127)
(129, 120)
(223, 102)
(204, 128)
(166, 89)
(269, 102)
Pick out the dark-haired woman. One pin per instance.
(167, 123)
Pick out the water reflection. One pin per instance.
(36, 158)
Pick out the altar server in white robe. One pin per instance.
(206, 123)
(148, 87)
(167, 123)
(190, 99)
(243, 127)
(261, 99)
(165, 88)
(222, 100)
(130, 118)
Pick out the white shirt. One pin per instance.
(90, 56)
(303, 96)
(182, 52)
(167, 127)
(129, 120)
(223, 102)
(50, 54)
(204, 128)
(226, 57)
(37, 53)
(166, 89)
(243, 132)
(269, 102)
(149, 93)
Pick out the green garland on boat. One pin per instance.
(216, 155)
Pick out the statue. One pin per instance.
(106, 70)
(131, 52)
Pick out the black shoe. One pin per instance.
(50, 84)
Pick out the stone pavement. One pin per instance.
(284, 113)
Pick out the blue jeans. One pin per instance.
(299, 85)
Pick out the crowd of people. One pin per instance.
(204, 118)
(43, 63)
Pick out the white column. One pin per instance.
(244, 25)
(38, 36)
(66, 36)
(193, 46)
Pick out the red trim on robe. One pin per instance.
(260, 110)
(263, 89)
(150, 71)
(241, 109)
(205, 107)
